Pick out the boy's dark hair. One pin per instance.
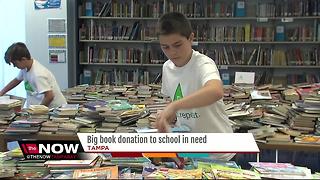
(16, 52)
(174, 22)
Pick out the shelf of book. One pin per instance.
(266, 66)
(118, 18)
(258, 42)
(118, 41)
(219, 66)
(201, 42)
(113, 64)
(258, 19)
(254, 34)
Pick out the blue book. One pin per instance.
(97, 105)
(240, 9)
(280, 33)
(225, 78)
(89, 8)
(86, 77)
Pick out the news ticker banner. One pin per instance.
(140, 145)
(167, 144)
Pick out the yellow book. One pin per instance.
(247, 32)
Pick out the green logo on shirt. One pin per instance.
(28, 87)
(178, 94)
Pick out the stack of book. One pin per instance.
(66, 110)
(132, 116)
(8, 108)
(49, 127)
(68, 128)
(109, 172)
(290, 95)
(303, 115)
(97, 105)
(111, 121)
(24, 127)
(39, 112)
(167, 173)
(280, 170)
(144, 91)
(273, 119)
(6, 116)
(38, 109)
(31, 169)
(7, 165)
(262, 132)
(279, 138)
(156, 106)
(307, 139)
(7, 103)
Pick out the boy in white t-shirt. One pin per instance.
(40, 84)
(192, 81)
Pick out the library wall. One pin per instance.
(37, 38)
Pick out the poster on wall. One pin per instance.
(47, 4)
(57, 55)
(56, 25)
(57, 41)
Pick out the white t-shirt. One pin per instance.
(178, 82)
(37, 81)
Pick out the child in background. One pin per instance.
(40, 84)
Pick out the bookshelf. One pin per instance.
(116, 40)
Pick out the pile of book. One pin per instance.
(24, 126)
(303, 115)
(7, 165)
(307, 139)
(66, 110)
(31, 169)
(281, 170)
(6, 103)
(38, 109)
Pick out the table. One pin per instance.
(288, 146)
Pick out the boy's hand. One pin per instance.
(165, 118)
(162, 126)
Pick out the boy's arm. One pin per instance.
(48, 97)
(12, 84)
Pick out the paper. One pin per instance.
(57, 56)
(244, 78)
(262, 94)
